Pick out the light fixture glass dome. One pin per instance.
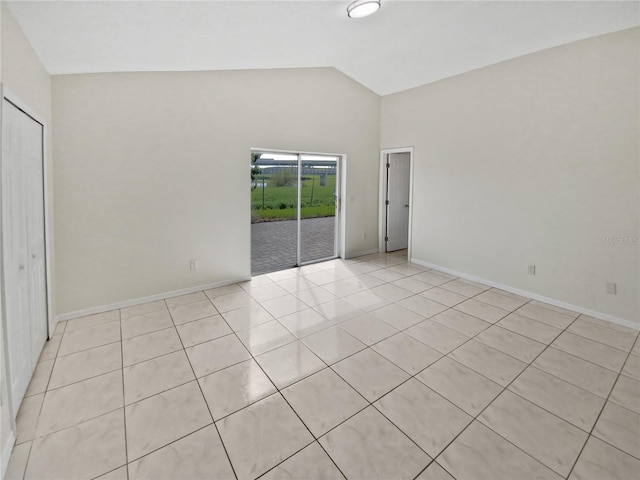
(362, 8)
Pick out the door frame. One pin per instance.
(382, 195)
(341, 180)
(6, 94)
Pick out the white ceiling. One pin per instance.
(405, 44)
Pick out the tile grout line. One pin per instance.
(604, 405)
(505, 389)
(204, 398)
(124, 406)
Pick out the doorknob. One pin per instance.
(406, 206)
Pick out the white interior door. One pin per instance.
(398, 175)
(23, 245)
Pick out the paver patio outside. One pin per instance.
(273, 244)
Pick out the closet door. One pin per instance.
(34, 190)
(23, 245)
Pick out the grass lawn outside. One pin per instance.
(273, 203)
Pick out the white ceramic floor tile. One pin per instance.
(438, 337)
(423, 415)
(79, 402)
(145, 347)
(305, 322)
(227, 391)
(143, 308)
(323, 401)
(285, 305)
(311, 462)
(460, 385)
(338, 310)
(192, 311)
(233, 301)
(262, 435)
(27, 418)
(199, 455)
(18, 462)
(146, 323)
(600, 460)
(603, 334)
(573, 404)
(315, 296)
(398, 317)
(153, 376)
(333, 344)
(626, 393)
(545, 315)
(90, 337)
(443, 296)
(545, 437)
(40, 378)
(219, 291)
(407, 353)
(159, 420)
(92, 320)
(434, 472)
(368, 329)
(265, 337)
(538, 331)
(247, 317)
(369, 446)
(370, 374)
(514, 344)
(185, 299)
(203, 330)
(87, 450)
(422, 305)
(289, 363)
(576, 371)
(487, 361)
(482, 310)
(86, 364)
(267, 292)
(391, 292)
(216, 354)
(592, 351)
(479, 453)
(619, 427)
(500, 301)
(461, 322)
(463, 288)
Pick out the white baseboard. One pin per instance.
(533, 296)
(360, 254)
(6, 453)
(151, 298)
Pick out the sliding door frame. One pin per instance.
(341, 169)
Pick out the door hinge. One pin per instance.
(386, 202)
(388, 165)
(386, 239)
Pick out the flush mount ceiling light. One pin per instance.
(362, 8)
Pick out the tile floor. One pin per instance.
(366, 368)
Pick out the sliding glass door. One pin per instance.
(293, 209)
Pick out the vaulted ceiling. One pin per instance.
(403, 45)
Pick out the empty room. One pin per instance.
(333, 239)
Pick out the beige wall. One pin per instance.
(23, 75)
(531, 161)
(152, 170)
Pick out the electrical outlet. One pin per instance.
(610, 288)
(531, 269)
(193, 264)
